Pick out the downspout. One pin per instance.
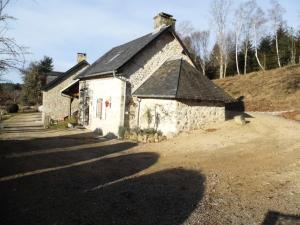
(139, 108)
(124, 109)
(124, 93)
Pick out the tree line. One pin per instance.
(247, 39)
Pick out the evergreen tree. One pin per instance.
(284, 42)
(34, 79)
(212, 69)
(45, 66)
(267, 52)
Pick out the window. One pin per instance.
(99, 108)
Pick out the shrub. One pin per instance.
(159, 133)
(148, 116)
(12, 108)
(149, 131)
(121, 132)
(136, 130)
(73, 120)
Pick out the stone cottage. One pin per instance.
(150, 82)
(56, 105)
(50, 76)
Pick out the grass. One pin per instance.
(63, 124)
(272, 90)
(7, 116)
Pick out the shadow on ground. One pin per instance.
(236, 108)
(277, 218)
(74, 179)
(69, 196)
(60, 157)
(60, 141)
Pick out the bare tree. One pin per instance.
(238, 25)
(228, 47)
(293, 46)
(184, 29)
(242, 27)
(199, 43)
(249, 8)
(257, 21)
(275, 15)
(219, 13)
(11, 54)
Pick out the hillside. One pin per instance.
(272, 90)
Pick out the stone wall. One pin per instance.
(57, 106)
(150, 59)
(172, 116)
(193, 115)
(163, 114)
(144, 64)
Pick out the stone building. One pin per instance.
(149, 82)
(50, 76)
(56, 105)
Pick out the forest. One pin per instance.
(246, 39)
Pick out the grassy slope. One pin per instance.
(272, 90)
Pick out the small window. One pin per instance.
(99, 108)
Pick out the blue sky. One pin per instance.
(61, 28)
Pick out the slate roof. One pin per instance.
(65, 75)
(115, 58)
(177, 79)
(54, 73)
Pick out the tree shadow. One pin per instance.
(59, 141)
(10, 166)
(236, 108)
(277, 218)
(166, 197)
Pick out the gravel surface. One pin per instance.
(222, 174)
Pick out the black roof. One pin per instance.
(177, 79)
(53, 73)
(65, 75)
(118, 56)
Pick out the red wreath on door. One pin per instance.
(107, 103)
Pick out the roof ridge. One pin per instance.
(130, 50)
(64, 75)
(180, 67)
(156, 35)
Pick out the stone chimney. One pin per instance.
(162, 20)
(81, 57)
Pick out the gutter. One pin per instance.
(102, 73)
(114, 72)
(124, 93)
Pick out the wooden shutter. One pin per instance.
(99, 108)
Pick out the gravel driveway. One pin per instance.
(223, 174)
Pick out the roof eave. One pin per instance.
(154, 96)
(64, 76)
(185, 48)
(179, 98)
(161, 32)
(95, 75)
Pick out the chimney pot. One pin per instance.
(164, 19)
(81, 57)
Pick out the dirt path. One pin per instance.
(252, 171)
(228, 174)
(25, 126)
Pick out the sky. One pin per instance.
(61, 28)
